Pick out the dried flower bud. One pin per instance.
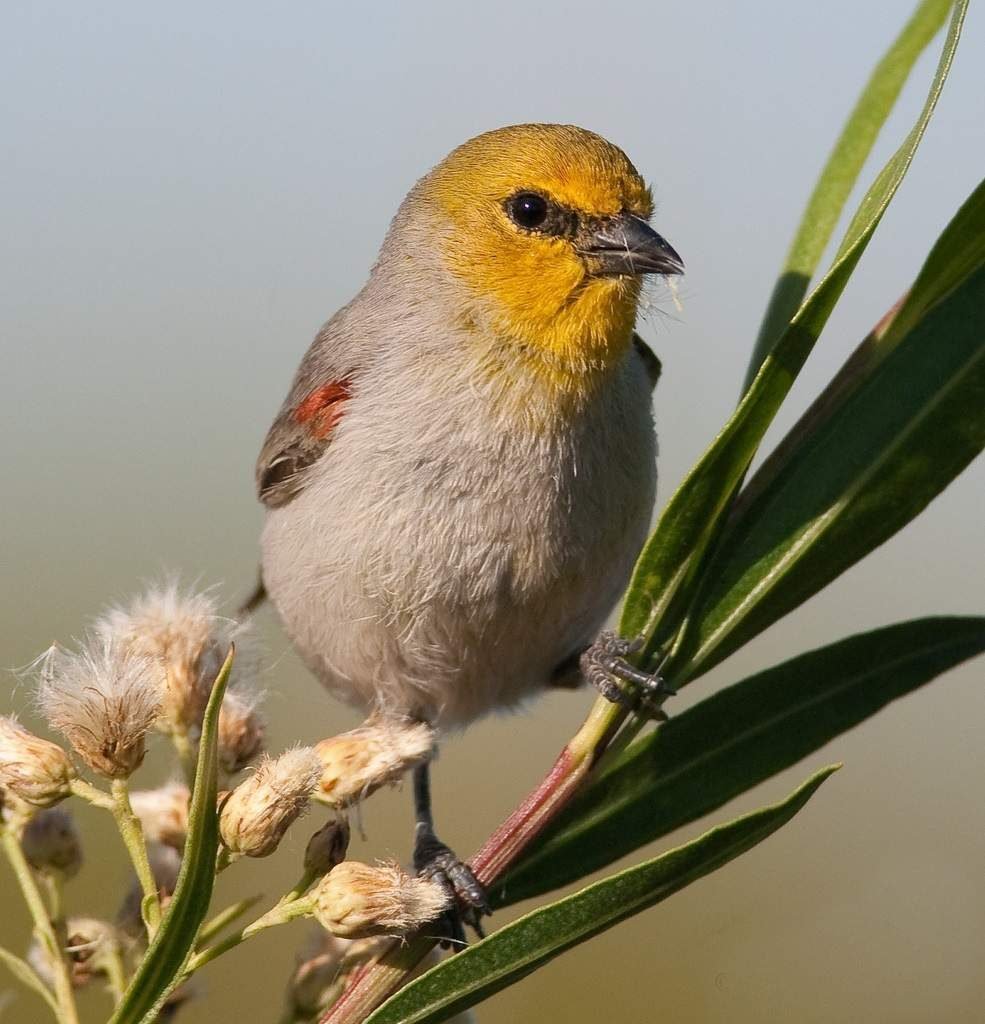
(260, 809)
(165, 863)
(103, 699)
(163, 813)
(37, 771)
(356, 763)
(355, 900)
(327, 847)
(183, 631)
(51, 843)
(322, 971)
(241, 731)
(89, 943)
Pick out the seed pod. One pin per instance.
(37, 771)
(260, 809)
(327, 847)
(103, 699)
(356, 900)
(356, 763)
(51, 843)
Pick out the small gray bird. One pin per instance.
(463, 472)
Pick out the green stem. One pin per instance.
(187, 756)
(224, 919)
(116, 975)
(279, 914)
(133, 838)
(64, 997)
(300, 887)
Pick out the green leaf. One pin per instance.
(860, 472)
(161, 967)
(668, 570)
(26, 974)
(733, 740)
(521, 947)
(842, 170)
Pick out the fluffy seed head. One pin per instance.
(51, 843)
(33, 769)
(534, 287)
(163, 813)
(356, 900)
(103, 699)
(260, 809)
(183, 631)
(241, 730)
(356, 763)
(327, 847)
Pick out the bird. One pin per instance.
(463, 471)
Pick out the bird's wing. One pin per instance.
(306, 422)
(650, 360)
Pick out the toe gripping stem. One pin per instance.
(605, 666)
(434, 860)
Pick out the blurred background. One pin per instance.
(190, 190)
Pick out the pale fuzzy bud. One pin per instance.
(260, 809)
(241, 730)
(327, 847)
(163, 813)
(51, 843)
(165, 863)
(356, 763)
(103, 699)
(184, 632)
(37, 771)
(356, 900)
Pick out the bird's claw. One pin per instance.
(434, 860)
(604, 665)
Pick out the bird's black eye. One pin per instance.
(527, 210)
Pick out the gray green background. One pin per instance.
(189, 190)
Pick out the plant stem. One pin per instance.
(224, 919)
(133, 838)
(64, 997)
(369, 986)
(279, 914)
(187, 756)
(116, 976)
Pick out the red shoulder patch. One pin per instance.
(322, 409)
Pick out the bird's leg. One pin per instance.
(434, 860)
(604, 665)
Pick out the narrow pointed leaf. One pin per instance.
(26, 974)
(530, 942)
(161, 968)
(735, 739)
(893, 442)
(841, 172)
(667, 572)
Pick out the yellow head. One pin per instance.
(547, 228)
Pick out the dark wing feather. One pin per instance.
(650, 360)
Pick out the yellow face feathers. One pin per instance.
(524, 208)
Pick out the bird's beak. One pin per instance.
(626, 245)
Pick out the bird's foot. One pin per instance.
(434, 860)
(604, 665)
